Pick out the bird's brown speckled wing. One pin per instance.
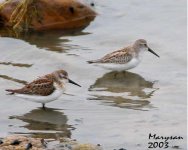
(118, 57)
(41, 86)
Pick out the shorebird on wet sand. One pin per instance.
(126, 58)
(44, 89)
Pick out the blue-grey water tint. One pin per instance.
(116, 110)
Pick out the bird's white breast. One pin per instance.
(42, 99)
(141, 52)
(121, 67)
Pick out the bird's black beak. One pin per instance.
(150, 50)
(70, 81)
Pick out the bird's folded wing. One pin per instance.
(41, 86)
(118, 57)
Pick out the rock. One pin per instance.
(122, 149)
(86, 147)
(1, 142)
(29, 146)
(17, 142)
(49, 15)
(69, 144)
(28, 143)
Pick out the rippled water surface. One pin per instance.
(114, 109)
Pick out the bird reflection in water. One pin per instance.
(55, 40)
(109, 88)
(50, 123)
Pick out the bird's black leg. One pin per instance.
(115, 75)
(43, 106)
(124, 72)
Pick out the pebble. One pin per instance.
(1, 142)
(15, 142)
(18, 142)
(29, 146)
(175, 147)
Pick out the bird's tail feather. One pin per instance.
(11, 91)
(93, 61)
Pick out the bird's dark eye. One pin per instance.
(145, 44)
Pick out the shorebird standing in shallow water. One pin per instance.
(126, 58)
(44, 89)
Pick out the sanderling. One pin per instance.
(126, 58)
(44, 89)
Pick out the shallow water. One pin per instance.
(116, 110)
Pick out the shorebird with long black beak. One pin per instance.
(44, 89)
(126, 58)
